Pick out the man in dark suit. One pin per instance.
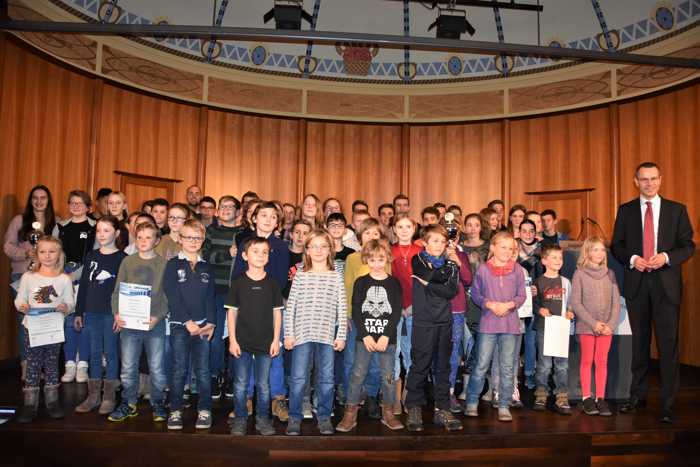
(652, 238)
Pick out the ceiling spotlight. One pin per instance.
(288, 14)
(451, 23)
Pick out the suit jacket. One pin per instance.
(674, 237)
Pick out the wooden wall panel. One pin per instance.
(458, 164)
(351, 161)
(147, 136)
(44, 138)
(564, 152)
(664, 129)
(60, 127)
(251, 153)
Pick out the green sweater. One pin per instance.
(135, 270)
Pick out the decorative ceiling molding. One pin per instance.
(188, 76)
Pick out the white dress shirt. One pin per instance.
(656, 211)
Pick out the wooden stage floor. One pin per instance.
(533, 438)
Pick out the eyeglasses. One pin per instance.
(335, 225)
(76, 203)
(318, 247)
(192, 239)
(176, 219)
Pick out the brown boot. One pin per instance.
(398, 410)
(389, 419)
(109, 401)
(349, 420)
(94, 397)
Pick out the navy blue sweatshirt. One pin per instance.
(97, 282)
(191, 293)
(431, 302)
(277, 266)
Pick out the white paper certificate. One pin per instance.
(525, 311)
(45, 327)
(556, 336)
(135, 305)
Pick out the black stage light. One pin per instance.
(288, 14)
(451, 24)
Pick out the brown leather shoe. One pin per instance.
(389, 419)
(349, 420)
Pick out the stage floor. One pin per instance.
(533, 438)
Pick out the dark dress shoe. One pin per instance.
(632, 405)
(666, 416)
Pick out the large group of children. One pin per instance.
(296, 308)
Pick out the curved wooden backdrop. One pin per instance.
(68, 130)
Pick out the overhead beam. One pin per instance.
(330, 38)
(485, 4)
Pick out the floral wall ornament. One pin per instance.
(357, 57)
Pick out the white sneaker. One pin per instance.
(307, 410)
(69, 375)
(81, 375)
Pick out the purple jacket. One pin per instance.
(489, 287)
(459, 303)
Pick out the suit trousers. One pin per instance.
(651, 307)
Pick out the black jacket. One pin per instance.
(431, 303)
(674, 237)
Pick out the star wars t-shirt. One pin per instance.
(376, 307)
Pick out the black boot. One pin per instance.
(31, 403)
(414, 422)
(53, 404)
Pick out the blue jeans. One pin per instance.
(403, 345)
(530, 348)
(372, 381)
(242, 370)
(186, 349)
(132, 343)
(217, 345)
(278, 382)
(77, 344)
(544, 368)
(457, 348)
(485, 349)
(360, 368)
(323, 355)
(102, 340)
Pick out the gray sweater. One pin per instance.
(595, 297)
(135, 270)
(316, 308)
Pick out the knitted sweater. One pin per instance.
(316, 308)
(595, 297)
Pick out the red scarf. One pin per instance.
(500, 270)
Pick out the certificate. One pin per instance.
(556, 337)
(135, 306)
(525, 311)
(45, 326)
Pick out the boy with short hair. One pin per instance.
(254, 308)
(550, 235)
(189, 286)
(265, 219)
(159, 211)
(207, 211)
(435, 277)
(552, 299)
(144, 268)
(216, 251)
(336, 225)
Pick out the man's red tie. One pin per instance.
(648, 245)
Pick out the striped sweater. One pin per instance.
(316, 308)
